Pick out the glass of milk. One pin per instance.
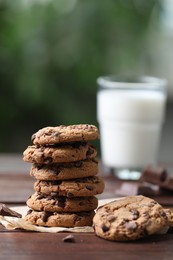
(130, 113)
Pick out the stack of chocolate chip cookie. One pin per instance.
(65, 169)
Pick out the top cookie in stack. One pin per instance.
(65, 170)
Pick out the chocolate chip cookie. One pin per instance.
(59, 154)
(129, 219)
(65, 168)
(55, 219)
(82, 187)
(64, 171)
(65, 134)
(169, 214)
(41, 202)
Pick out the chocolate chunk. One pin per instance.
(149, 189)
(40, 196)
(78, 164)
(69, 239)
(89, 187)
(131, 225)
(104, 228)
(111, 218)
(5, 211)
(29, 212)
(45, 216)
(61, 202)
(90, 151)
(135, 213)
(70, 195)
(39, 166)
(163, 214)
(48, 160)
(81, 203)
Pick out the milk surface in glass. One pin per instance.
(130, 117)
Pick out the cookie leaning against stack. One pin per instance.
(131, 218)
(65, 169)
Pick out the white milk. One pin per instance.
(130, 126)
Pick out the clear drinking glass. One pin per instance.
(130, 113)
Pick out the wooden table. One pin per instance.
(15, 187)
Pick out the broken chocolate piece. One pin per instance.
(141, 188)
(158, 176)
(69, 239)
(154, 174)
(148, 189)
(5, 211)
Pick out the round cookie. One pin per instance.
(82, 187)
(59, 154)
(41, 202)
(54, 219)
(130, 218)
(64, 171)
(64, 134)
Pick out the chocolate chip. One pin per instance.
(163, 214)
(104, 228)
(131, 225)
(61, 202)
(5, 211)
(135, 213)
(56, 182)
(40, 196)
(48, 160)
(111, 218)
(70, 195)
(81, 203)
(45, 216)
(29, 212)
(78, 164)
(69, 239)
(90, 151)
(89, 187)
(95, 179)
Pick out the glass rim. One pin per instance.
(133, 82)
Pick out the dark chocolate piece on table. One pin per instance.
(5, 211)
(69, 239)
(139, 188)
(154, 174)
(159, 176)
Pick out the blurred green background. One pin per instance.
(52, 51)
